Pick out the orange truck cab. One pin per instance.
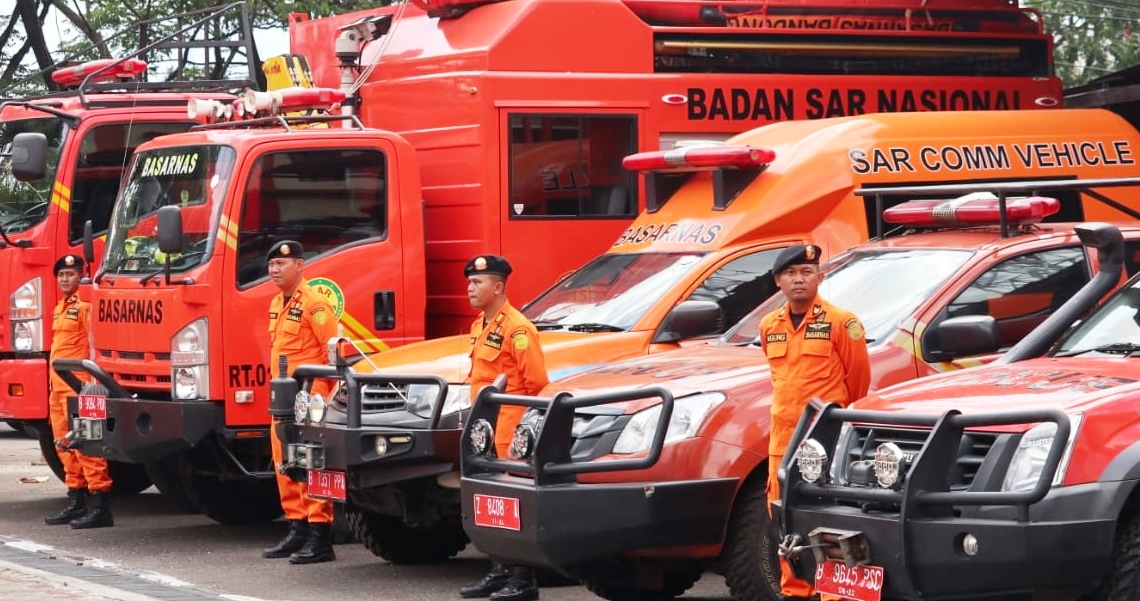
(510, 104)
(638, 476)
(692, 265)
(64, 156)
(1020, 476)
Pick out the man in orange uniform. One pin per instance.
(300, 325)
(503, 341)
(83, 475)
(815, 349)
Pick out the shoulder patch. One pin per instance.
(320, 316)
(520, 340)
(854, 329)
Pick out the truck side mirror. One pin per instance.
(29, 156)
(961, 337)
(690, 319)
(170, 229)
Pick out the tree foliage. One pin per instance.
(1093, 37)
(106, 28)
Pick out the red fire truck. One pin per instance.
(64, 156)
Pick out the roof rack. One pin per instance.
(284, 121)
(192, 31)
(1006, 188)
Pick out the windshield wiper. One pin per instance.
(594, 327)
(1116, 348)
(148, 277)
(548, 325)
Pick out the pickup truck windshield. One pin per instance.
(194, 178)
(881, 287)
(612, 292)
(1114, 329)
(25, 204)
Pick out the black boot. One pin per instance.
(494, 580)
(318, 547)
(523, 586)
(98, 516)
(293, 541)
(76, 505)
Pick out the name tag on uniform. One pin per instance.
(71, 313)
(494, 340)
(781, 337)
(818, 331)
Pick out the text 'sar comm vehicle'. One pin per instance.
(1017, 477)
(638, 476)
(689, 267)
(63, 159)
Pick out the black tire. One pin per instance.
(752, 567)
(1123, 581)
(227, 502)
(127, 479)
(392, 540)
(342, 533)
(24, 428)
(675, 583)
(168, 477)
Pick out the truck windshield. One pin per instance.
(612, 292)
(1114, 329)
(25, 204)
(881, 287)
(194, 178)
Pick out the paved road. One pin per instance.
(156, 552)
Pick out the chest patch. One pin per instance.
(294, 313)
(781, 337)
(71, 313)
(818, 331)
(494, 340)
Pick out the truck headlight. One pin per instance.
(189, 361)
(422, 398)
(1029, 458)
(25, 307)
(688, 415)
(318, 408)
(458, 399)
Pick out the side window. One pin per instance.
(1021, 292)
(739, 285)
(323, 199)
(103, 156)
(1131, 257)
(570, 166)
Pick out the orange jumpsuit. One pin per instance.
(71, 323)
(300, 329)
(825, 357)
(507, 344)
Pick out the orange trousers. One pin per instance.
(80, 471)
(295, 499)
(790, 586)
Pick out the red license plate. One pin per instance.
(327, 484)
(862, 583)
(93, 406)
(497, 512)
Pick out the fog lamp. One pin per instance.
(522, 445)
(381, 446)
(317, 408)
(888, 463)
(812, 460)
(301, 407)
(970, 545)
(482, 437)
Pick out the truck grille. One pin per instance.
(972, 449)
(380, 398)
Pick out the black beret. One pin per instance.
(796, 255)
(487, 264)
(69, 262)
(286, 249)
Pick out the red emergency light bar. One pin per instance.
(971, 209)
(696, 157)
(293, 99)
(71, 77)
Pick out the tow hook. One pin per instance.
(792, 545)
(66, 441)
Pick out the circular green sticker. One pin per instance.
(331, 292)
